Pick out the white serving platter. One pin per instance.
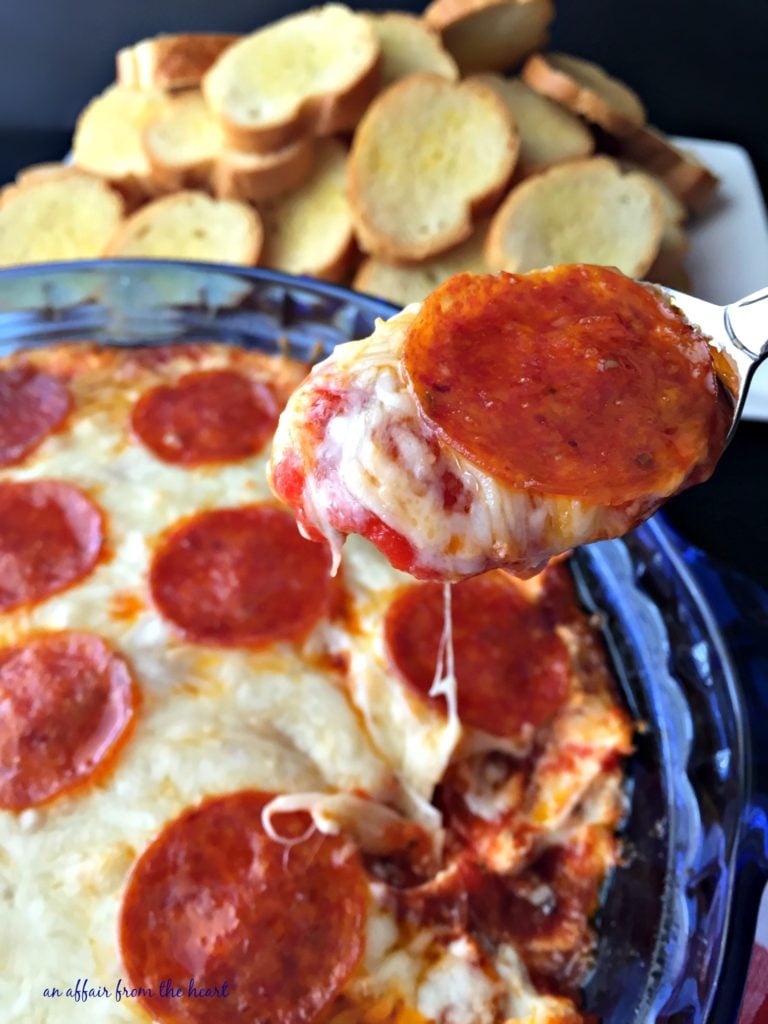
(728, 257)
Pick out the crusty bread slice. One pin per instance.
(675, 212)
(491, 35)
(549, 134)
(428, 157)
(67, 216)
(587, 90)
(191, 226)
(309, 231)
(36, 173)
(182, 142)
(408, 45)
(256, 177)
(586, 211)
(312, 73)
(668, 268)
(404, 284)
(170, 61)
(186, 148)
(108, 138)
(692, 182)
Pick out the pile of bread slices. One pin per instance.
(387, 151)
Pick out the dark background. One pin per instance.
(701, 68)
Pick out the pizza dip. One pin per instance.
(503, 421)
(236, 788)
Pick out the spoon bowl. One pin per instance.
(739, 331)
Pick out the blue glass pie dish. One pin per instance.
(671, 949)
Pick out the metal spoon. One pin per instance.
(739, 330)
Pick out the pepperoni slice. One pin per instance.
(573, 381)
(66, 702)
(511, 667)
(51, 535)
(32, 405)
(210, 416)
(214, 901)
(241, 577)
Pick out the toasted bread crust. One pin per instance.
(256, 178)
(440, 14)
(406, 283)
(692, 182)
(170, 61)
(385, 242)
(335, 112)
(42, 215)
(556, 76)
(491, 35)
(538, 192)
(540, 119)
(424, 50)
(186, 117)
(312, 114)
(137, 225)
(120, 114)
(321, 197)
(50, 172)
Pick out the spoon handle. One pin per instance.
(746, 322)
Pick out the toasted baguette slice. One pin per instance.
(692, 182)
(309, 231)
(171, 61)
(182, 142)
(405, 284)
(408, 45)
(668, 267)
(491, 35)
(429, 156)
(675, 212)
(586, 89)
(57, 217)
(549, 134)
(191, 226)
(582, 212)
(108, 137)
(309, 74)
(36, 173)
(256, 177)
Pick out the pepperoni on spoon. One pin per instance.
(215, 903)
(66, 702)
(51, 535)
(525, 374)
(511, 668)
(505, 420)
(206, 417)
(32, 405)
(241, 577)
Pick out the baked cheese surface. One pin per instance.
(179, 670)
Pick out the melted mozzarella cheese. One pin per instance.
(417, 740)
(210, 720)
(523, 1004)
(377, 457)
(215, 720)
(456, 989)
